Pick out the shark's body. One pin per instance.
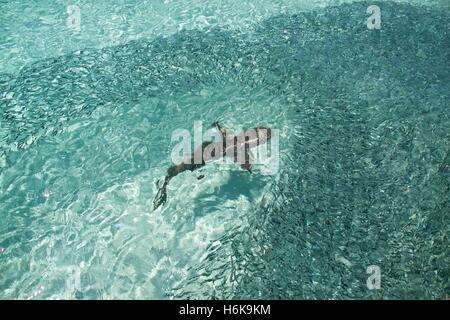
(235, 146)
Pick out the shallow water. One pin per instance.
(364, 167)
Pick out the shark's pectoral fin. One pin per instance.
(247, 166)
(223, 131)
(249, 160)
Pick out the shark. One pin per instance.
(230, 145)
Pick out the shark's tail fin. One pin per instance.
(161, 196)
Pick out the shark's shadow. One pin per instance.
(240, 184)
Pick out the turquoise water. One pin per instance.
(85, 132)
